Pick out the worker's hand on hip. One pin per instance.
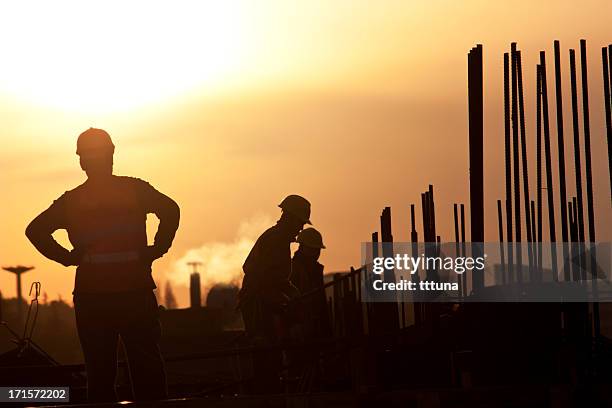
(74, 258)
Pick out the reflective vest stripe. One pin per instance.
(111, 257)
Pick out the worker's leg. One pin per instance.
(266, 365)
(99, 344)
(141, 335)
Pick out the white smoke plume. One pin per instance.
(221, 261)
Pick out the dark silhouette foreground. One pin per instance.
(105, 218)
(266, 290)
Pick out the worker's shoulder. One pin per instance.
(270, 237)
(133, 181)
(73, 192)
(121, 182)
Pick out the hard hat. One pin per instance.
(297, 206)
(94, 141)
(311, 237)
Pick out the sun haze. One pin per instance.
(228, 106)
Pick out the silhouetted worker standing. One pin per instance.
(307, 275)
(266, 289)
(105, 218)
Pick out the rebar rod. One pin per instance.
(577, 163)
(463, 248)
(561, 154)
(589, 181)
(539, 164)
(516, 165)
(500, 224)
(476, 159)
(607, 70)
(521, 106)
(533, 233)
(548, 161)
(508, 162)
(414, 237)
(457, 254)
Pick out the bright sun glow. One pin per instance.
(114, 55)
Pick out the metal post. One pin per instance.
(475, 95)
(456, 219)
(418, 313)
(391, 309)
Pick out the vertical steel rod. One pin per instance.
(548, 161)
(539, 164)
(463, 248)
(457, 254)
(587, 140)
(500, 223)
(533, 234)
(508, 162)
(577, 163)
(561, 153)
(521, 105)
(475, 96)
(589, 180)
(516, 164)
(414, 237)
(607, 70)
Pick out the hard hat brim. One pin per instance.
(307, 221)
(311, 246)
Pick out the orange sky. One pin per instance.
(228, 108)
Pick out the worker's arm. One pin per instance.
(40, 231)
(269, 265)
(169, 213)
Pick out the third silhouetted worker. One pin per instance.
(307, 276)
(266, 288)
(311, 319)
(105, 218)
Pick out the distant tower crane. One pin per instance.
(18, 271)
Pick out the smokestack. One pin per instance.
(195, 292)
